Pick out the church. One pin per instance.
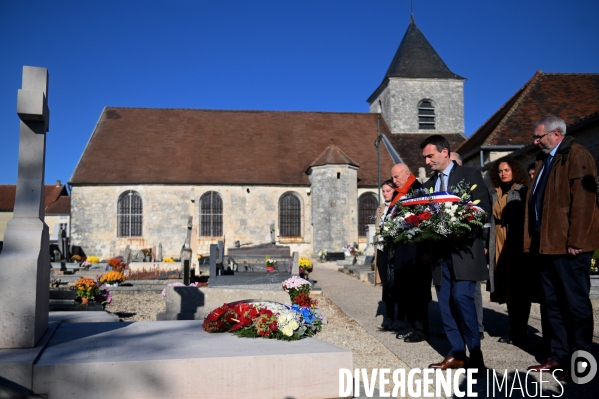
(308, 179)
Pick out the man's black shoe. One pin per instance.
(414, 337)
(403, 335)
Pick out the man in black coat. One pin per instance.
(412, 281)
(458, 262)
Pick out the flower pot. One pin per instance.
(115, 284)
(270, 269)
(84, 301)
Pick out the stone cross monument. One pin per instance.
(25, 258)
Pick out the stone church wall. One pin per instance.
(247, 216)
(248, 212)
(399, 102)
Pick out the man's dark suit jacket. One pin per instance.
(467, 253)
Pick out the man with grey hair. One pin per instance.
(562, 231)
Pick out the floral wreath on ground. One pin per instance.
(425, 215)
(253, 319)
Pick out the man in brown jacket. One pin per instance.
(562, 219)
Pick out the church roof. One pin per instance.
(333, 155)
(569, 96)
(415, 58)
(52, 194)
(187, 146)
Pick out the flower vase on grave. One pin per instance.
(115, 284)
(84, 301)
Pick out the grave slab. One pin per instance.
(83, 317)
(16, 364)
(189, 303)
(180, 360)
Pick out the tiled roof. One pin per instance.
(8, 192)
(416, 58)
(407, 146)
(62, 206)
(333, 155)
(186, 146)
(569, 96)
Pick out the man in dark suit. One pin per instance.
(458, 262)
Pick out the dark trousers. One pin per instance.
(566, 285)
(417, 315)
(518, 313)
(458, 312)
(382, 258)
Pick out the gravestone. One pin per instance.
(186, 252)
(273, 239)
(370, 239)
(159, 256)
(213, 254)
(127, 256)
(247, 266)
(295, 267)
(64, 244)
(25, 258)
(221, 250)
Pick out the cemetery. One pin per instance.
(58, 342)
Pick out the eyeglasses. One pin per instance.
(535, 137)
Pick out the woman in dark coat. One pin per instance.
(510, 277)
(382, 259)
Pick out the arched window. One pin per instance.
(130, 214)
(367, 204)
(290, 216)
(211, 215)
(426, 115)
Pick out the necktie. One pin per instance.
(537, 195)
(442, 177)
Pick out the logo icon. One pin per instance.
(584, 367)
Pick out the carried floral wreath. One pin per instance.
(425, 215)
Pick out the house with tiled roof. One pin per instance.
(57, 208)
(573, 97)
(310, 179)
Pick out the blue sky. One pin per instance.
(311, 55)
